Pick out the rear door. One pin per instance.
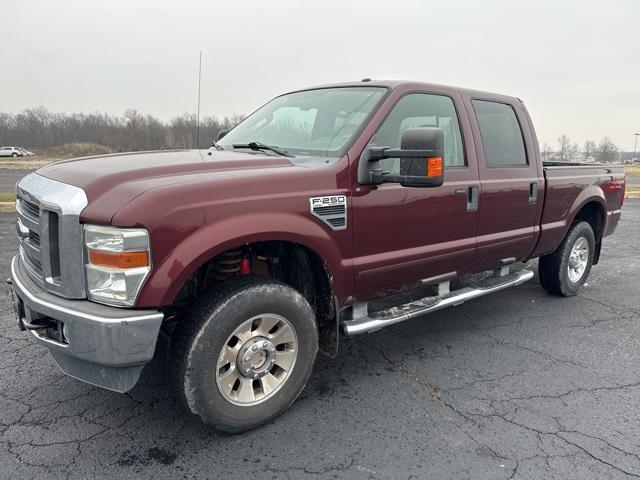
(511, 184)
(404, 235)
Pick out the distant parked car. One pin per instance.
(26, 152)
(11, 152)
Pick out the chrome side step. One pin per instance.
(364, 322)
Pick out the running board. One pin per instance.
(364, 322)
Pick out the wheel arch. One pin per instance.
(594, 213)
(298, 265)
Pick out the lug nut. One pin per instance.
(254, 348)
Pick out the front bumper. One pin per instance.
(102, 345)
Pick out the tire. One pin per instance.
(204, 375)
(554, 271)
(14, 154)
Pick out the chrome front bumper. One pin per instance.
(101, 345)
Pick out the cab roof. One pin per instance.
(410, 85)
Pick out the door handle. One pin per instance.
(533, 192)
(472, 198)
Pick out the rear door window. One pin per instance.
(502, 141)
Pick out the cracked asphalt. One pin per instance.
(514, 385)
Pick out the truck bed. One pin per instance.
(566, 184)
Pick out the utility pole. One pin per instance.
(633, 158)
(198, 118)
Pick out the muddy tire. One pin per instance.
(564, 271)
(245, 352)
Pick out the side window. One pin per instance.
(501, 135)
(421, 110)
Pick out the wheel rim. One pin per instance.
(257, 359)
(578, 260)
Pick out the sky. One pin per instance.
(575, 63)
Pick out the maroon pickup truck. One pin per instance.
(320, 216)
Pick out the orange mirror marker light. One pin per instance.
(119, 259)
(434, 167)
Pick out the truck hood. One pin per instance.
(111, 181)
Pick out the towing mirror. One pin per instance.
(421, 155)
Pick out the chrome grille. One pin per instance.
(50, 234)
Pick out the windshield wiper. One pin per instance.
(262, 146)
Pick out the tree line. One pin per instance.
(603, 151)
(39, 129)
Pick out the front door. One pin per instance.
(405, 235)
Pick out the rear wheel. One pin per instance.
(245, 352)
(564, 271)
(14, 154)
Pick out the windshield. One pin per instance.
(313, 122)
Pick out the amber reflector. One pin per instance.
(434, 167)
(119, 259)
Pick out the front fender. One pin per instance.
(188, 255)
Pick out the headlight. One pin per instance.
(118, 261)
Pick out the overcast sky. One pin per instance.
(575, 63)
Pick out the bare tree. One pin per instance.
(589, 149)
(546, 152)
(39, 129)
(567, 148)
(606, 151)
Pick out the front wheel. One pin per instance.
(564, 271)
(245, 352)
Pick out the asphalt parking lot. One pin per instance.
(515, 385)
(8, 179)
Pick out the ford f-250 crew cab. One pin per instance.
(289, 230)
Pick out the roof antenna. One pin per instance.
(198, 117)
(366, 79)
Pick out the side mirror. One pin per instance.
(421, 155)
(222, 133)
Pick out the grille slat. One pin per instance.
(33, 264)
(32, 223)
(30, 207)
(31, 255)
(34, 238)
